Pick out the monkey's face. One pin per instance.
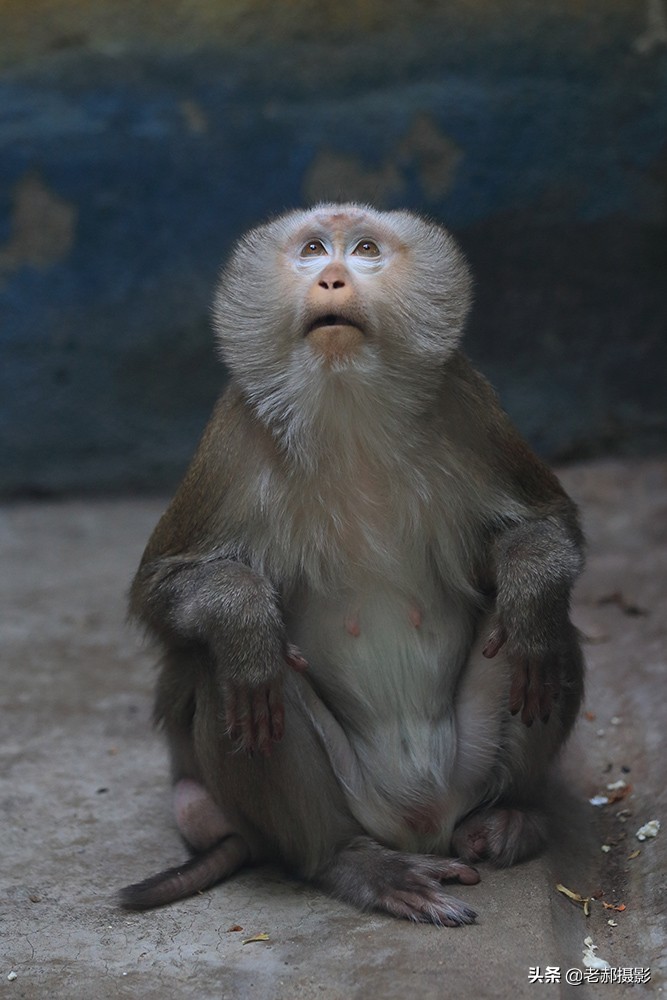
(339, 271)
(339, 296)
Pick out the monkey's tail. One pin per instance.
(199, 873)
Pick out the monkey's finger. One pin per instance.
(261, 714)
(294, 659)
(550, 687)
(518, 686)
(276, 712)
(533, 694)
(496, 640)
(231, 712)
(245, 726)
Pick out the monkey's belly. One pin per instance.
(386, 671)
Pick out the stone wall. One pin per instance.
(138, 140)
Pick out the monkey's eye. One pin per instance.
(313, 248)
(366, 248)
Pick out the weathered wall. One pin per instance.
(138, 140)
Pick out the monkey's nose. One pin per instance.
(332, 278)
(328, 285)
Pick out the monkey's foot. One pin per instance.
(405, 885)
(504, 835)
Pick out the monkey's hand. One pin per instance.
(534, 565)
(255, 714)
(536, 675)
(235, 613)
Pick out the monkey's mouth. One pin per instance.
(332, 319)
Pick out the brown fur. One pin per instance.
(361, 502)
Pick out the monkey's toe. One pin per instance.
(430, 905)
(414, 891)
(504, 836)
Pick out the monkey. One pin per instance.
(361, 589)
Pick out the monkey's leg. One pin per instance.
(211, 832)
(293, 805)
(505, 760)
(235, 808)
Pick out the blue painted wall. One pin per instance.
(126, 172)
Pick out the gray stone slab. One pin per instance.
(84, 794)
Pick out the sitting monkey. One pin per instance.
(361, 588)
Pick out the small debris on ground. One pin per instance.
(616, 792)
(650, 829)
(591, 960)
(576, 898)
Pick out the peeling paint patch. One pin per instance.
(424, 150)
(435, 155)
(656, 28)
(42, 227)
(340, 177)
(194, 116)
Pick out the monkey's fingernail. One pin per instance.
(296, 662)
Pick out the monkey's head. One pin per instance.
(340, 297)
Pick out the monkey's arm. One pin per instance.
(193, 589)
(536, 553)
(534, 565)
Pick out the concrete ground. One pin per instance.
(85, 804)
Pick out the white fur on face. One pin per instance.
(413, 299)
